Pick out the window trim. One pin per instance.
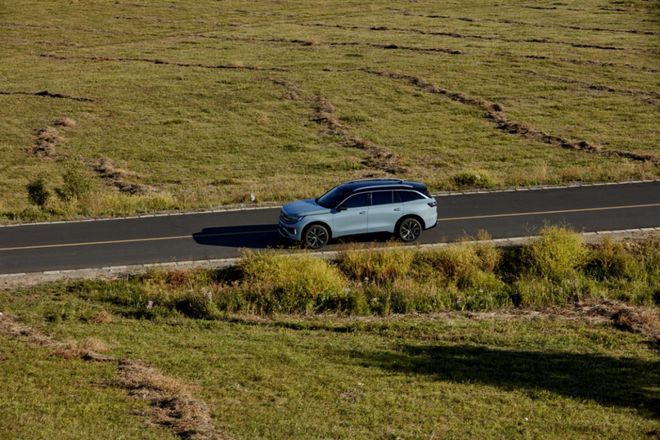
(392, 202)
(411, 190)
(353, 195)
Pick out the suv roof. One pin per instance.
(369, 184)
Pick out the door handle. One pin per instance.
(397, 209)
(362, 212)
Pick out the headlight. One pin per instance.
(291, 218)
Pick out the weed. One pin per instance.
(556, 255)
(298, 283)
(76, 184)
(376, 266)
(472, 179)
(38, 194)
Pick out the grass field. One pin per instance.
(176, 105)
(551, 340)
(431, 376)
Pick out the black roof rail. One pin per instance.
(383, 187)
(376, 179)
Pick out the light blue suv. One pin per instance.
(359, 207)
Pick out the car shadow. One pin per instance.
(249, 236)
(266, 236)
(623, 382)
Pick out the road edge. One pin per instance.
(30, 279)
(244, 207)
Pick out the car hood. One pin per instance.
(304, 207)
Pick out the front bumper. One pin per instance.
(289, 231)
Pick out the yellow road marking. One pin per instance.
(558, 211)
(128, 240)
(181, 237)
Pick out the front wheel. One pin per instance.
(409, 229)
(316, 236)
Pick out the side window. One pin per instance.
(357, 201)
(381, 198)
(407, 196)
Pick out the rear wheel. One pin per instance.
(316, 236)
(409, 229)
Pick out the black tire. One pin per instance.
(316, 236)
(409, 229)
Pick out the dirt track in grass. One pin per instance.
(325, 114)
(495, 112)
(172, 403)
(467, 36)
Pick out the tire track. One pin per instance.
(312, 43)
(495, 112)
(47, 94)
(325, 115)
(466, 36)
(584, 62)
(164, 62)
(647, 97)
(524, 23)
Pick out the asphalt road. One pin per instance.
(32, 248)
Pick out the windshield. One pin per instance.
(333, 197)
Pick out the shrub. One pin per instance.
(614, 261)
(76, 184)
(377, 266)
(196, 305)
(298, 283)
(408, 296)
(472, 179)
(38, 194)
(556, 254)
(457, 263)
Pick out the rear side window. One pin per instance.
(381, 198)
(406, 196)
(357, 201)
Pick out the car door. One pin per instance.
(350, 217)
(383, 212)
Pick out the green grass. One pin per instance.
(556, 269)
(44, 396)
(446, 376)
(195, 137)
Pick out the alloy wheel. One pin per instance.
(410, 230)
(316, 237)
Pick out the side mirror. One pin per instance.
(340, 208)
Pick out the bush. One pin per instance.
(76, 184)
(196, 305)
(472, 179)
(614, 261)
(556, 254)
(299, 283)
(377, 266)
(38, 194)
(457, 263)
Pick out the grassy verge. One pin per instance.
(488, 376)
(557, 269)
(160, 106)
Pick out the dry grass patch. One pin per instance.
(45, 141)
(103, 317)
(171, 400)
(64, 122)
(118, 177)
